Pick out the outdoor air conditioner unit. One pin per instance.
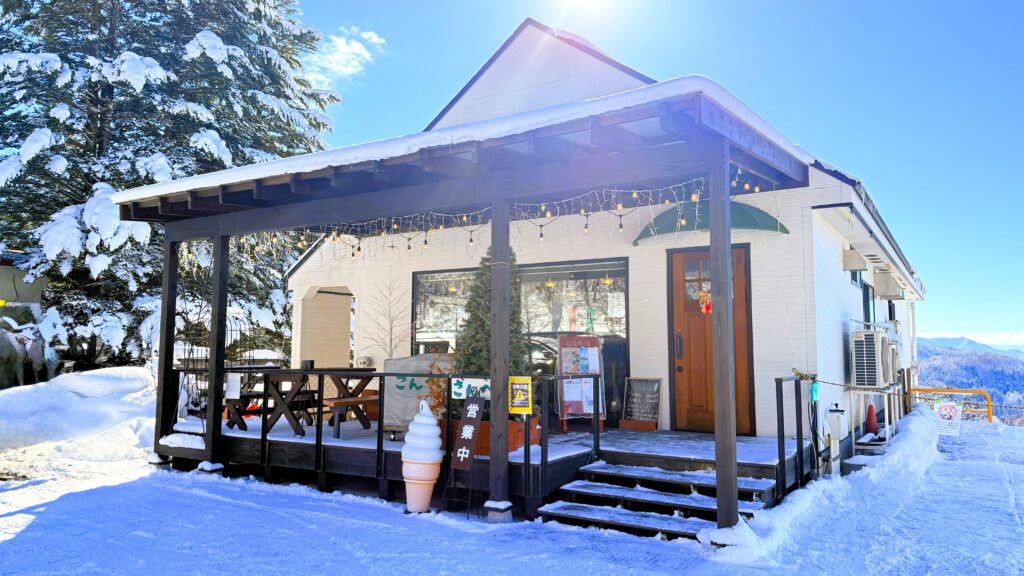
(870, 350)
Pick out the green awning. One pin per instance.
(743, 216)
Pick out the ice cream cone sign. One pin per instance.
(421, 459)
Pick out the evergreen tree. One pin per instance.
(99, 95)
(473, 340)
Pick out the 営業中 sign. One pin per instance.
(466, 430)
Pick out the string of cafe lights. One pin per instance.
(618, 202)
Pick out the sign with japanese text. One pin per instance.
(465, 433)
(520, 397)
(407, 383)
(950, 414)
(642, 399)
(463, 388)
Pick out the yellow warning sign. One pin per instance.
(520, 395)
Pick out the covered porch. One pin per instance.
(481, 174)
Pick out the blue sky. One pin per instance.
(922, 101)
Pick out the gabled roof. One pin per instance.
(568, 38)
(492, 129)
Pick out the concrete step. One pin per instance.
(648, 523)
(685, 503)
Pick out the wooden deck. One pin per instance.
(354, 453)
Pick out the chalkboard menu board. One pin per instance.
(642, 396)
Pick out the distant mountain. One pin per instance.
(969, 364)
(968, 345)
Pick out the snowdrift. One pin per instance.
(883, 487)
(74, 405)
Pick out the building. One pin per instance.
(620, 197)
(810, 264)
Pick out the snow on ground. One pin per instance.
(84, 501)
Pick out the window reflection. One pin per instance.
(581, 297)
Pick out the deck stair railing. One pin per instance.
(780, 412)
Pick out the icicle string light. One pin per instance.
(616, 202)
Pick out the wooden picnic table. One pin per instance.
(293, 404)
(350, 399)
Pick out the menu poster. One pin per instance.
(579, 355)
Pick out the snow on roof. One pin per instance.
(472, 132)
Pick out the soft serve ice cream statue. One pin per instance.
(421, 459)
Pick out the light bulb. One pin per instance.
(694, 197)
(635, 194)
(618, 205)
(682, 221)
(620, 224)
(582, 211)
(542, 234)
(746, 185)
(757, 189)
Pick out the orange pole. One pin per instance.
(988, 399)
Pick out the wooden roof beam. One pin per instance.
(345, 181)
(449, 165)
(554, 149)
(168, 208)
(209, 204)
(502, 159)
(149, 214)
(614, 138)
(274, 194)
(742, 136)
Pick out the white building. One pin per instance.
(799, 293)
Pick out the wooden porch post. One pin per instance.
(500, 277)
(167, 384)
(218, 324)
(722, 338)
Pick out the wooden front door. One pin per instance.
(692, 370)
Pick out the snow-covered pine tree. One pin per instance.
(473, 339)
(98, 95)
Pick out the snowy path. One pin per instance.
(89, 504)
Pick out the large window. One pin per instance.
(582, 297)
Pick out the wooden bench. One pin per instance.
(339, 407)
